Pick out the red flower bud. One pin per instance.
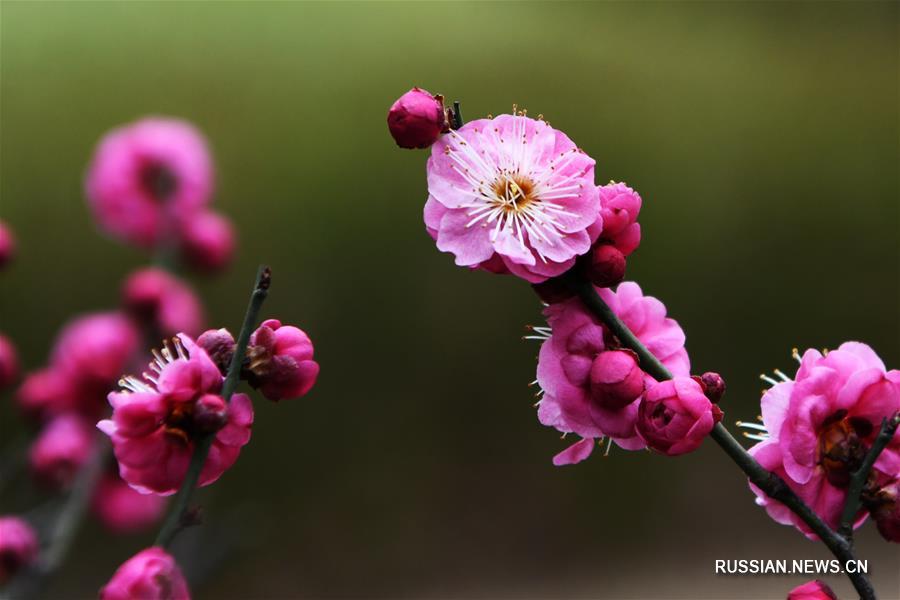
(713, 386)
(616, 379)
(605, 265)
(417, 119)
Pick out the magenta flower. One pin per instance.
(123, 510)
(18, 546)
(511, 194)
(163, 302)
(618, 226)
(145, 174)
(675, 416)
(575, 341)
(812, 590)
(7, 245)
(818, 427)
(281, 361)
(207, 240)
(48, 392)
(9, 362)
(151, 574)
(156, 421)
(60, 450)
(417, 119)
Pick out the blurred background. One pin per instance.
(762, 136)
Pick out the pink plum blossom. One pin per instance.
(575, 341)
(61, 449)
(511, 195)
(157, 421)
(812, 590)
(9, 362)
(151, 574)
(48, 392)
(123, 510)
(7, 245)
(417, 119)
(163, 302)
(817, 428)
(617, 225)
(281, 361)
(675, 416)
(18, 546)
(146, 174)
(207, 240)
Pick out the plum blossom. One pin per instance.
(617, 225)
(123, 510)
(575, 341)
(151, 574)
(18, 546)
(417, 119)
(147, 174)
(61, 449)
(817, 428)
(158, 419)
(512, 195)
(163, 302)
(675, 416)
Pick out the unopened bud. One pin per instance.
(605, 265)
(713, 386)
(210, 413)
(616, 379)
(417, 119)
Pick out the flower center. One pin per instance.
(180, 420)
(514, 194)
(158, 181)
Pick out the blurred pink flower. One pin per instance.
(7, 245)
(146, 173)
(812, 590)
(123, 510)
(818, 427)
(574, 341)
(162, 301)
(18, 546)
(511, 194)
(207, 240)
(151, 574)
(675, 416)
(45, 393)
(9, 362)
(281, 361)
(63, 446)
(417, 119)
(619, 209)
(155, 422)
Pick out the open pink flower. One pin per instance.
(151, 574)
(576, 340)
(123, 510)
(511, 194)
(157, 421)
(675, 416)
(144, 175)
(162, 301)
(818, 427)
(9, 362)
(18, 546)
(61, 449)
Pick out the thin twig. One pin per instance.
(175, 519)
(768, 482)
(859, 477)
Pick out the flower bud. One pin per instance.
(616, 380)
(885, 509)
(9, 362)
(281, 361)
(219, 345)
(605, 266)
(60, 451)
(207, 241)
(713, 386)
(18, 546)
(812, 590)
(162, 301)
(7, 245)
(675, 415)
(151, 573)
(553, 290)
(210, 413)
(417, 119)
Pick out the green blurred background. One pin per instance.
(762, 136)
